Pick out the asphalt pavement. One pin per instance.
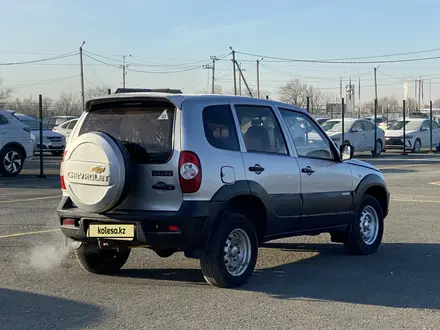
(300, 283)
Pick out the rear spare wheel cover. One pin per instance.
(95, 172)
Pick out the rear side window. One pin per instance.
(72, 124)
(3, 120)
(145, 128)
(220, 127)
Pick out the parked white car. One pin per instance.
(53, 121)
(15, 144)
(52, 142)
(417, 134)
(66, 128)
(358, 132)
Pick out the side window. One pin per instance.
(260, 129)
(357, 127)
(3, 120)
(308, 139)
(220, 127)
(367, 125)
(435, 125)
(425, 125)
(72, 124)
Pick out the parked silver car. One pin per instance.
(213, 176)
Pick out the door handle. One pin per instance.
(163, 186)
(256, 168)
(308, 170)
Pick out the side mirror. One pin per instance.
(424, 129)
(347, 151)
(355, 130)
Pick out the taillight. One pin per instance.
(63, 183)
(190, 172)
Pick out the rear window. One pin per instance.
(145, 128)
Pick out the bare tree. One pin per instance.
(217, 90)
(68, 105)
(436, 104)
(296, 92)
(27, 106)
(96, 92)
(390, 103)
(5, 94)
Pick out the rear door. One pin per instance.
(357, 136)
(272, 172)
(150, 130)
(368, 128)
(424, 133)
(326, 182)
(4, 131)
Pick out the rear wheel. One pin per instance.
(12, 160)
(97, 261)
(232, 252)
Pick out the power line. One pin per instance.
(41, 60)
(339, 62)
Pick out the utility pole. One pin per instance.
(239, 78)
(340, 88)
(210, 67)
(359, 98)
(124, 71)
(213, 58)
(375, 82)
(82, 74)
(233, 71)
(430, 90)
(258, 76)
(420, 85)
(244, 80)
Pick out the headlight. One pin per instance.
(409, 136)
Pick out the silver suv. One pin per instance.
(213, 176)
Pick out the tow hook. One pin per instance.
(106, 245)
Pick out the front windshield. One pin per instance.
(33, 124)
(410, 125)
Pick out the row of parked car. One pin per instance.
(360, 133)
(20, 138)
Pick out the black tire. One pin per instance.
(18, 161)
(415, 143)
(353, 242)
(99, 261)
(213, 260)
(57, 153)
(375, 152)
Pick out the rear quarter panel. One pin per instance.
(212, 159)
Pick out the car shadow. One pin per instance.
(193, 276)
(401, 275)
(26, 310)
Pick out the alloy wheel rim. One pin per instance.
(12, 162)
(237, 252)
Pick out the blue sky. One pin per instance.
(183, 32)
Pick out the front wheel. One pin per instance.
(97, 261)
(232, 252)
(417, 146)
(11, 161)
(365, 232)
(377, 148)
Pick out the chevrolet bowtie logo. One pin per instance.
(97, 169)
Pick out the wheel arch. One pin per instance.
(17, 145)
(240, 199)
(375, 186)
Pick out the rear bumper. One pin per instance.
(194, 221)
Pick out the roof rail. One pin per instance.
(148, 90)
